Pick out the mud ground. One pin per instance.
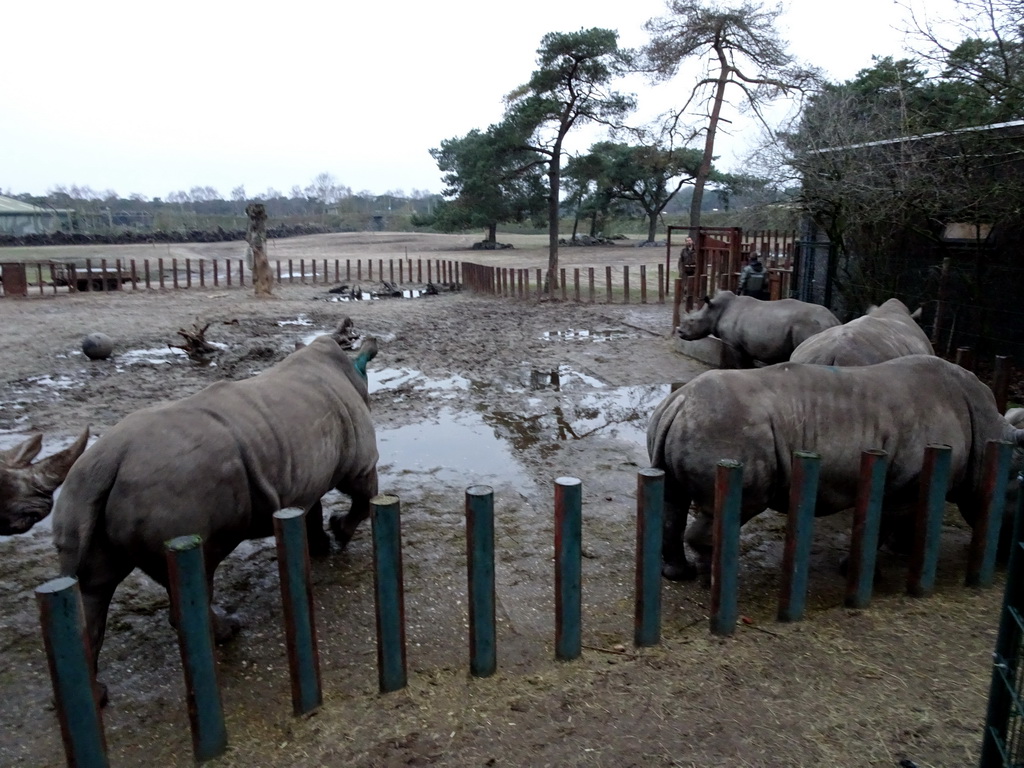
(512, 394)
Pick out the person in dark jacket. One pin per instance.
(754, 279)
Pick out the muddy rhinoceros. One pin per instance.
(763, 331)
(885, 332)
(219, 464)
(26, 489)
(761, 416)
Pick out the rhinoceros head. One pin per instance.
(701, 322)
(26, 489)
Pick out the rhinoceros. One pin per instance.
(885, 332)
(219, 464)
(760, 416)
(765, 331)
(26, 489)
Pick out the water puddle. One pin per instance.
(300, 320)
(457, 447)
(601, 334)
(619, 413)
(406, 378)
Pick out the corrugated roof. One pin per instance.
(9, 205)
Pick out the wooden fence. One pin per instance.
(23, 279)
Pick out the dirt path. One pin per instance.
(511, 394)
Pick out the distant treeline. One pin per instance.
(128, 237)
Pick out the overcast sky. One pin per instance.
(151, 98)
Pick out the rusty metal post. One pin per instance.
(568, 567)
(385, 518)
(981, 555)
(299, 614)
(591, 284)
(625, 284)
(803, 494)
(725, 553)
(174, 273)
(608, 284)
(867, 514)
(483, 659)
(68, 656)
(931, 503)
(650, 502)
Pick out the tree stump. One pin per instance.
(257, 237)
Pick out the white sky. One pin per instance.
(151, 98)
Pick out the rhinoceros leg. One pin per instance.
(98, 577)
(360, 491)
(673, 551)
(317, 538)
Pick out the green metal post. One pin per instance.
(568, 567)
(981, 558)
(299, 617)
(388, 586)
(867, 515)
(803, 493)
(67, 651)
(924, 558)
(483, 660)
(190, 607)
(650, 502)
(725, 557)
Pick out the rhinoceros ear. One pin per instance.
(21, 455)
(707, 299)
(51, 471)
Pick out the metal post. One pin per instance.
(67, 651)
(387, 579)
(867, 514)
(190, 608)
(725, 557)
(981, 555)
(480, 573)
(650, 502)
(803, 493)
(924, 558)
(299, 615)
(568, 567)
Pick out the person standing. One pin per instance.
(754, 279)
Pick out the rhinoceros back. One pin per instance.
(220, 462)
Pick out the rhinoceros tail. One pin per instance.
(80, 509)
(659, 425)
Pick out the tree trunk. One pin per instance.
(257, 237)
(554, 182)
(709, 141)
(652, 227)
(492, 233)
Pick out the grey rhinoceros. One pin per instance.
(763, 331)
(26, 489)
(885, 332)
(760, 417)
(219, 464)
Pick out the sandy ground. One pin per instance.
(471, 390)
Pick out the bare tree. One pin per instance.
(741, 49)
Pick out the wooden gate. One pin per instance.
(1003, 740)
